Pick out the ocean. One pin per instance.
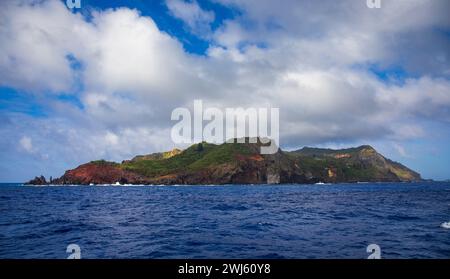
(233, 221)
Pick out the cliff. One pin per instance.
(241, 163)
(360, 164)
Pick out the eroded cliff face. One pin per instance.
(100, 172)
(237, 163)
(360, 164)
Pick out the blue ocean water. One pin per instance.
(283, 221)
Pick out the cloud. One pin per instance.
(330, 33)
(35, 42)
(311, 59)
(27, 145)
(197, 20)
(401, 150)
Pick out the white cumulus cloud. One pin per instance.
(311, 59)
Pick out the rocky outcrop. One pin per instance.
(38, 180)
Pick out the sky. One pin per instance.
(101, 81)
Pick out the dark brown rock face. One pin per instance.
(38, 180)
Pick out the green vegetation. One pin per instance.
(221, 154)
(344, 169)
(196, 157)
(205, 163)
(353, 164)
(320, 152)
(103, 163)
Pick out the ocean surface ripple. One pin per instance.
(185, 222)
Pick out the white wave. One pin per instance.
(445, 225)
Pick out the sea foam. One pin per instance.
(445, 225)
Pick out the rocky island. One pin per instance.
(240, 163)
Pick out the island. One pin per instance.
(240, 163)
